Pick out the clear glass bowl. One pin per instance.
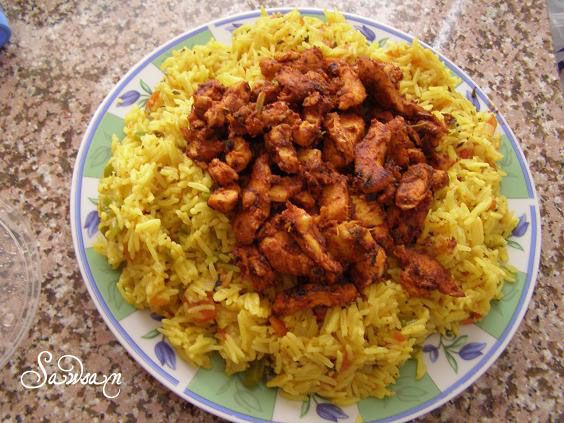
(20, 280)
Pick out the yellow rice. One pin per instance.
(174, 249)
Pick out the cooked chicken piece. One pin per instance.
(267, 89)
(255, 267)
(204, 150)
(307, 296)
(387, 197)
(212, 89)
(238, 121)
(352, 92)
(224, 199)
(423, 274)
(201, 105)
(430, 130)
(316, 105)
(306, 133)
(285, 255)
(302, 227)
(283, 188)
(348, 241)
(369, 158)
(406, 225)
(310, 59)
(296, 86)
(260, 121)
(215, 114)
(370, 269)
(316, 172)
(236, 97)
(278, 112)
(400, 143)
(255, 202)
(381, 234)
(414, 186)
(417, 183)
(383, 116)
(416, 156)
(343, 133)
(240, 155)
(270, 67)
(382, 82)
(305, 200)
(439, 179)
(368, 213)
(279, 143)
(222, 173)
(335, 202)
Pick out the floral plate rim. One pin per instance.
(168, 380)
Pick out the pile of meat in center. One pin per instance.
(326, 171)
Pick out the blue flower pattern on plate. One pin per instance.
(519, 231)
(452, 345)
(91, 223)
(367, 32)
(128, 98)
(133, 96)
(521, 227)
(165, 354)
(233, 26)
(330, 412)
(325, 410)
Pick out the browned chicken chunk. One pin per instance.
(256, 202)
(305, 200)
(315, 170)
(381, 80)
(344, 131)
(285, 255)
(267, 89)
(222, 173)
(369, 159)
(307, 296)
(204, 150)
(240, 155)
(284, 188)
(224, 199)
(296, 86)
(254, 267)
(423, 274)
(302, 227)
(335, 202)
(416, 183)
(279, 143)
(306, 133)
(260, 121)
(352, 92)
(369, 213)
(414, 186)
(406, 225)
(372, 216)
(348, 241)
(370, 268)
(236, 97)
(212, 89)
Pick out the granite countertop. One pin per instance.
(65, 56)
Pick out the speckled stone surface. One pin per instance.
(65, 56)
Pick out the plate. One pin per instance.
(453, 363)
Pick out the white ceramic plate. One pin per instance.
(453, 363)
